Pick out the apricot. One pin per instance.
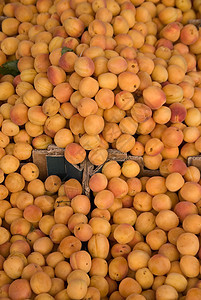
(77, 288)
(118, 187)
(128, 125)
(192, 174)
(5, 235)
(162, 115)
(154, 97)
(78, 274)
(178, 281)
(84, 66)
(32, 213)
(174, 181)
(67, 110)
(120, 250)
(138, 259)
(98, 156)
(9, 128)
(5, 205)
(166, 220)
(159, 261)
(80, 260)
(145, 64)
(13, 266)
(9, 164)
(144, 277)
(156, 185)
(87, 106)
(189, 34)
(193, 292)
(185, 208)
(74, 153)
(130, 169)
(98, 246)
(22, 150)
(142, 246)
(14, 182)
(141, 112)
(62, 211)
(29, 171)
(114, 114)
(98, 212)
(178, 112)
(142, 201)
(104, 98)
(53, 124)
(172, 165)
(188, 244)
(153, 147)
(98, 182)
(58, 232)
(145, 223)
(37, 282)
(69, 245)
(45, 202)
(186, 190)
(83, 232)
(124, 233)
(9, 45)
(175, 137)
(166, 292)
(152, 162)
(18, 114)
(92, 292)
(124, 100)
(12, 214)
(134, 187)
(97, 122)
(19, 288)
(111, 132)
(116, 295)
(129, 286)
(125, 142)
(161, 201)
(191, 223)
(126, 77)
(75, 219)
(118, 268)
(89, 142)
(189, 266)
(94, 87)
(81, 204)
(104, 199)
(124, 215)
(4, 191)
(62, 269)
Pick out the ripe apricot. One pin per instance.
(77, 288)
(118, 268)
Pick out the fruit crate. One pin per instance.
(52, 162)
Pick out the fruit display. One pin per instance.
(87, 77)
(92, 75)
(133, 238)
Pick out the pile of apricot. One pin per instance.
(93, 75)
(96, 74)
(132, 239)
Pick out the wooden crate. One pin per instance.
(52, 162)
